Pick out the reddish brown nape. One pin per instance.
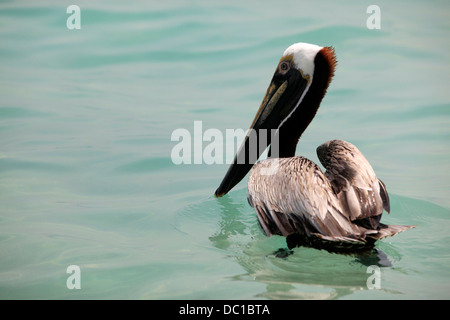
(330, 57)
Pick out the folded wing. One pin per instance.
(293, 196)
(361, 194)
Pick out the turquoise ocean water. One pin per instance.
(87, 178)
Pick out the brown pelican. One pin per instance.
(337, 210)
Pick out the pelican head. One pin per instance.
(291, 101)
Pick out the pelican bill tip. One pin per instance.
(219, 195)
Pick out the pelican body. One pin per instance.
(337, 210)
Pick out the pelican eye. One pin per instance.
(284, 66)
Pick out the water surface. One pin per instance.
(87, 179)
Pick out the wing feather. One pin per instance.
(361, 194)
(296, 198)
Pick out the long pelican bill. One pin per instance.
(282, 96)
